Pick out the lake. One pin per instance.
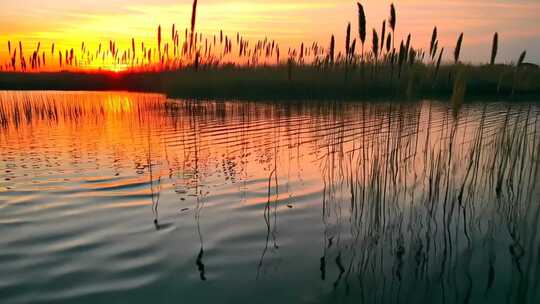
(135, 198)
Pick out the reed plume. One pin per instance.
(332, 50)
(388, 43)
(133, 48)
(361, 26)
(457, 51)
(407, 47)
(383, 35)
(392, 21)
(348, 41)
(494, 48)
(9, 46)
(159, 39)
(433, 41)
(521, 59)
(375, 47)
(193, 20)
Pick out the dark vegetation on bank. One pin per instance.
(298, 82)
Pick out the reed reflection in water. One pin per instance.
(121, 197)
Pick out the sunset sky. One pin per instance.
(68, 22)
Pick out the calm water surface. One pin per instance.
(133, 198)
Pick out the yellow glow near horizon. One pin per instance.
(68, 24)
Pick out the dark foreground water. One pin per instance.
(132, 198)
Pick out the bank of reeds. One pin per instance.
(295, 81)
(228, 67)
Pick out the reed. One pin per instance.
(173, 57)
(331, 52)
(433, 42)
(159, 39)
(375, 46)
(322, 81)
(361, 26)
(133, 51)
(435, 49)
(407, 47)
(383, 35)
(457, 50)
(193, 21)
(353, 48)
(494, 48)
(348, 42)
(521, 59)
(392, 21)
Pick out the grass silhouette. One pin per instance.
(220, 66)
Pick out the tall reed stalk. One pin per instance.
(193, 21)
(361, 27)
(392, 21)
(375, 50)
(348, 42)
(331, 52)
(159, 40)
(375, 46)
(433, 41)
(494, 48)
(457, 50)
(383, 35)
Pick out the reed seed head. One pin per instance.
(361, 23)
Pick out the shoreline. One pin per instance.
(296, 83)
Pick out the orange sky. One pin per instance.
(68, 22)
